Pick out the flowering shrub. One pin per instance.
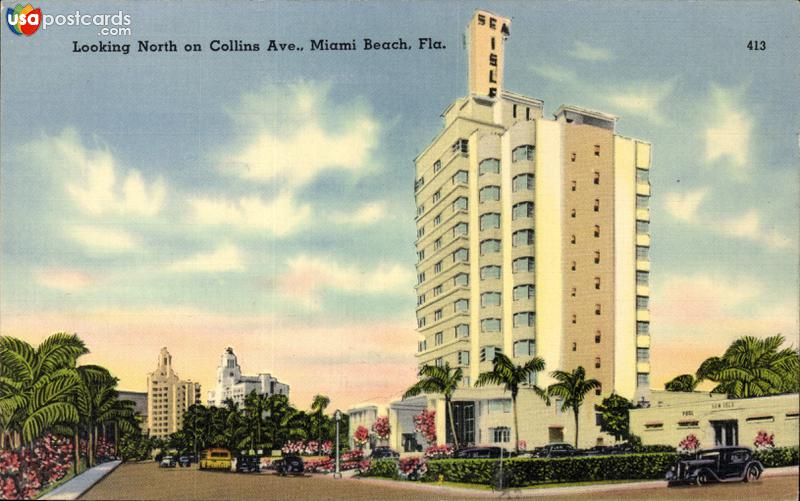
(412, 468)
(443, 451)
(360, 437)
(522, 445)
(329, 465)
(24, 473)
(764, 441)
(425, 424)
(689, 444)
(381, 427)
(310, 448)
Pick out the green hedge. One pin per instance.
(529, 471)
(779, 456)
(382, 468)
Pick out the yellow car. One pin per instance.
(216, 459)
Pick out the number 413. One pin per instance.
(757, 45)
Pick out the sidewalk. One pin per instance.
(75, 487)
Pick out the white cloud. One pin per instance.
(102, 239)
(683, 206)
(728, 136)
(369, 213)
(587, 52)
(642, 99)
(280, 216)
(748, 226)
(309, 276)
(227, 257)
(555, 73)
(96, 185)
(64, 279)
(292, 142)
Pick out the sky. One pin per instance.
(264, 201)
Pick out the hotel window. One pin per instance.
(527, 113)
(437, 315)
(642, 379)
(642, 328)
(437, 244)
(523, 265)
(438, 338)
(490, 220)
(596, 177)
(437, 196)
(460, 146)
(597, 205)
(419, 183)
(514, 107)
(437, 220)
(522, 237)
(460, 203)
(437, 290)
(488, 353)
(524, 152)
(596, 231)
(526, 291)
(573, 156)
(572, 239)
(490, 299)
(642, 227)
(421, 300)
(463, 358)
(490, 246)
(489, 166)
(524, 348)
(596, 257)
(437, 268)
(501, 434)
(522, 182)
(489, 272)
(574, 318)
(597, 337)
(597, 150)
(597, 283)
(420, 210)
(498, 406)
(461, 255)
(642, 253)
(460, 229)
(460, 177)
(420, 324)
(481, 19)
(574, 266)
(642, 201)
(489, 194)
(492, 59)
(574, 185)
(572, 213)
(642, 278)
(524, 319)
(462, 330)
(492, 23)
(490, 325)
(574, 292)
(597, 362)
(643, 175)
(421, 232)
(461, 305)
(439, 362)
(642, 354)
(491, 72)
(642, 302)
(437, 165)
(465, 382)
(599, 389)
(522, 210)
(421, 255)
(421, 277)
(461, 279)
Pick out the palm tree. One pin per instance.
(511, 376)
(753, 367)
(443, 380)
(197, 425)
(572, 387)
(684, 382)
(319, 423)
(255, 409)
(96, 398)
(37, 385)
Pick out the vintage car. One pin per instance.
(248, 463)
(724, 464)
(289, 464)
(556, 450)
(216, 459)
(383, 453)
(167, 462)
(489, 452)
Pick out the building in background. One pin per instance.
(139, 399)
(168, 397)
(532, 240)
(231, 384)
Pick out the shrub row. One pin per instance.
(529, 471)
(779, 456)
(386, 468)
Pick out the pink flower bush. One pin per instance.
(310, 448)
(24, 473)
(764, 441)
(360, 437)
(425, 424)
(689, 444)
(412, 468)
(522, 445)
(443, 451)
(381, 428)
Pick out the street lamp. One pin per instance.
(338, 416)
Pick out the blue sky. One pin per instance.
(264, 200)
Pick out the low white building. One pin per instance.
(231, 384)
(365, 414)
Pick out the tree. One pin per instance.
(614, 416)
(684, 382)
(572, 387)
(255, 410)
(753, 367)
(443, 380)
(511, 376)
(319, 423)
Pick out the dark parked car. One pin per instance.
(557, 450)
(383, 453)
(480, 453)
(248, 464)
(186, 461)
(167, 462)
(289, 465)
(725, 464)
(598, 450)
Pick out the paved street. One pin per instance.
(147, 481)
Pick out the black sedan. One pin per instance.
(725, 464)
(383, 453)
(557, 450)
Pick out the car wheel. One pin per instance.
(702, 478)
(753, 473)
